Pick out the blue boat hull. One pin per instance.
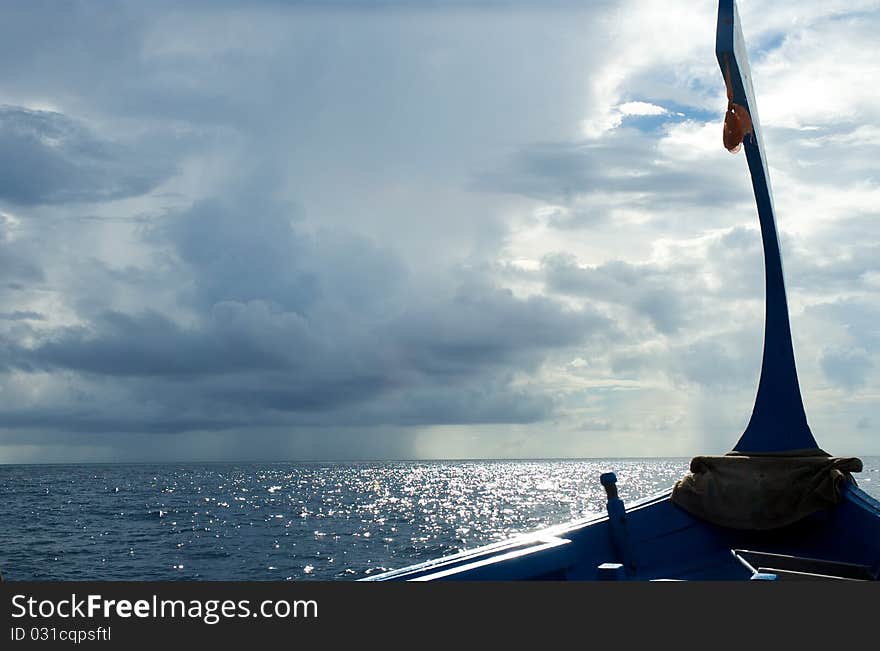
(665, 542)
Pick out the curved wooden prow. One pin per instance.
(778, 421)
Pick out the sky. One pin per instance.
(349, 230)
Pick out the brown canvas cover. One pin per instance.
(762, 491)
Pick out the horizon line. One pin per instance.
(346, 461)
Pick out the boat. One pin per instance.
(776, 507)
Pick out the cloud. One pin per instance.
(847, 368)
(641, 108)
(647, 289)
(47, 157)
(19, 315)
(150, 344)
(285, 328)
(16, 265)
(855, 317)
(596, 180)
(234, 226)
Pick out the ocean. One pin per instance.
(293, 521)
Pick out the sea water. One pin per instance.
(293, 521)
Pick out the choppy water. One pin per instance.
(293, 521)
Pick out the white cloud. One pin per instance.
(641, 108)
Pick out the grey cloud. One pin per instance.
(254, 249)
(841, 154)
(17, 262)
(653, 292)
(486, 405)
(842, 256)
(49, 158)
(857, 316)
(736, 259)
(716, 363)
(622, 164)
(17, 267)
(731, 360)
(484, 327)
(246, 251)
(595, 425)
(627, 364)
(21, 315)
(846, 367)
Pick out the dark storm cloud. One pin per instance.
(316, 329)
(304, 396)
(47, 157)
(438, 364)
(149, 344)
(82, 421)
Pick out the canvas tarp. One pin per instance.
(766, 491)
